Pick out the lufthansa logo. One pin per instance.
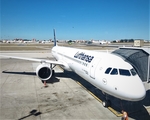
(84, 57)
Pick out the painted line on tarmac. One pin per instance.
(110, 108)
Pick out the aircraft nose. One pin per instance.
(139, 93)
(136, 91)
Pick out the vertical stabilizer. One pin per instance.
(55, 44)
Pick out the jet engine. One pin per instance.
(44, 72)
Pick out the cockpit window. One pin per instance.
(124, 72)
(114, 72)
(133, 72)
(108, 70)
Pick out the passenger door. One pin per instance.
(94, 64)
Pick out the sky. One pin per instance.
(75, 19)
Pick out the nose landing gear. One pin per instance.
(106, 102)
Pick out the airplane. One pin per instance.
(106, 71)
(100, 42)
(103, 42)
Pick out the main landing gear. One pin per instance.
(52, 67)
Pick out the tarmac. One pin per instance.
(67, 97)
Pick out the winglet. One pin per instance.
(55, 44)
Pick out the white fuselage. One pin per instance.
(106, 71)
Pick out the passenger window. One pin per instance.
(133, 72)
(124, 72)
(108, 70)
(114, 72)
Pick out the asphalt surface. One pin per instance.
(23, 96)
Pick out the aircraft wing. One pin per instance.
(36, 60)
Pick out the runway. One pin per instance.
(24, 97)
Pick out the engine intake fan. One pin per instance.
(44, 72)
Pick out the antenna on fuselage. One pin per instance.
(55, 44)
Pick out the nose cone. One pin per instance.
(134, 90)
(137, 92)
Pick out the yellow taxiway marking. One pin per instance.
(110, 108)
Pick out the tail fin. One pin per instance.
(55, 44)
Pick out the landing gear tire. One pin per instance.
(106, 103)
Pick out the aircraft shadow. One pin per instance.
(57, 74)
(135, 110)
(20, 73)
(52, 80)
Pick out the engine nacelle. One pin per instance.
(44, 72)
